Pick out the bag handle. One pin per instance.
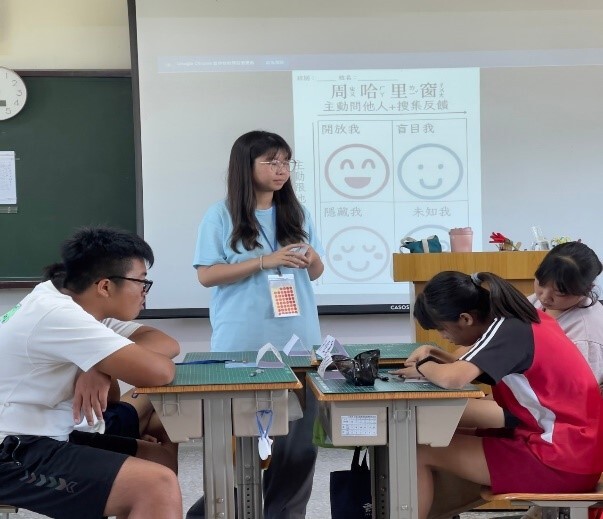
(356, 465)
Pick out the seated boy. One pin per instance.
(129, 415)
(46, 342)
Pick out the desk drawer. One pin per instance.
(180, 414)
(437, 421)
(352, 424)
(244, 408)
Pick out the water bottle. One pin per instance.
(540, 242)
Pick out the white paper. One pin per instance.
(264, 447)
(231, 365)
(295, 347)
(301, 250)
(329, 375)
(8, 182)
(269, 364)
(326, 362)
(294, 338)
(359, 425)
(326, 346)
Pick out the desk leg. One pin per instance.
(249, 479)
(396, 465)
(218, 472)
(380, 481)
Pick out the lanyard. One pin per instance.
(259, 416)
(264, 442)
(275, 246)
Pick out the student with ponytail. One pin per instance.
(536, 374)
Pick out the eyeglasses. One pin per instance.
(362, 370)
(276, 165)
(146, 283)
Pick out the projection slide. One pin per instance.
(385, 154)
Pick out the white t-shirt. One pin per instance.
(584, 326)
(125, 329)
(45, 342)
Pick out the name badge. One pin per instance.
(283, 295)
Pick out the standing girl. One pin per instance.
(257, 242)
(536, 374)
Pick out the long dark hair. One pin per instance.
(449, 294)
(572, 267)
(241, 201)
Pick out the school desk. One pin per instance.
(391, 417)
(219, 403)
(199, 403)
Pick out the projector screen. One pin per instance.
(389, 118)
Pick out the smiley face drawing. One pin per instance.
(357, 171)
(357, 254)
(430, 171)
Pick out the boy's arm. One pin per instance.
(138, 366)
(93, 389)
(91, 393)
(155, 340)
(134, 364)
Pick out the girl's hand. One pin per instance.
(420, 353)
(408, 371)
(290, 256)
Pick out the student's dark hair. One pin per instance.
(572, 267)
(449, 294)
(55, 273)
(94, 253)
(241, 199)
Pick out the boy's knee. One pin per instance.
(164, 479)
(158, 482)
(163, 485)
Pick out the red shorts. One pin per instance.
(513, 468)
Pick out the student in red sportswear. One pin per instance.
(536, 374)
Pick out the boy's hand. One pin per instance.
(91, 390)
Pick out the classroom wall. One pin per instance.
(64, 34)
(93, 34)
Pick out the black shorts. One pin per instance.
(62, 479)
(121, 419)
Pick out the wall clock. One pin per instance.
(13, 93)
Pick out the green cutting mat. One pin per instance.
(210, 374)
(249, 356)
(388, 351)
(331, 387)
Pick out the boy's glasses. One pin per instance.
(362, 370)
(277, 165)
(146, 283)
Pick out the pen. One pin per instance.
(208, 361)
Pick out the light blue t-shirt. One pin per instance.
(241, 313)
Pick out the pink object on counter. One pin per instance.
(461, 239)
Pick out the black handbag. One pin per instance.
(350, 490)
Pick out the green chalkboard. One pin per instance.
(74, 147)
